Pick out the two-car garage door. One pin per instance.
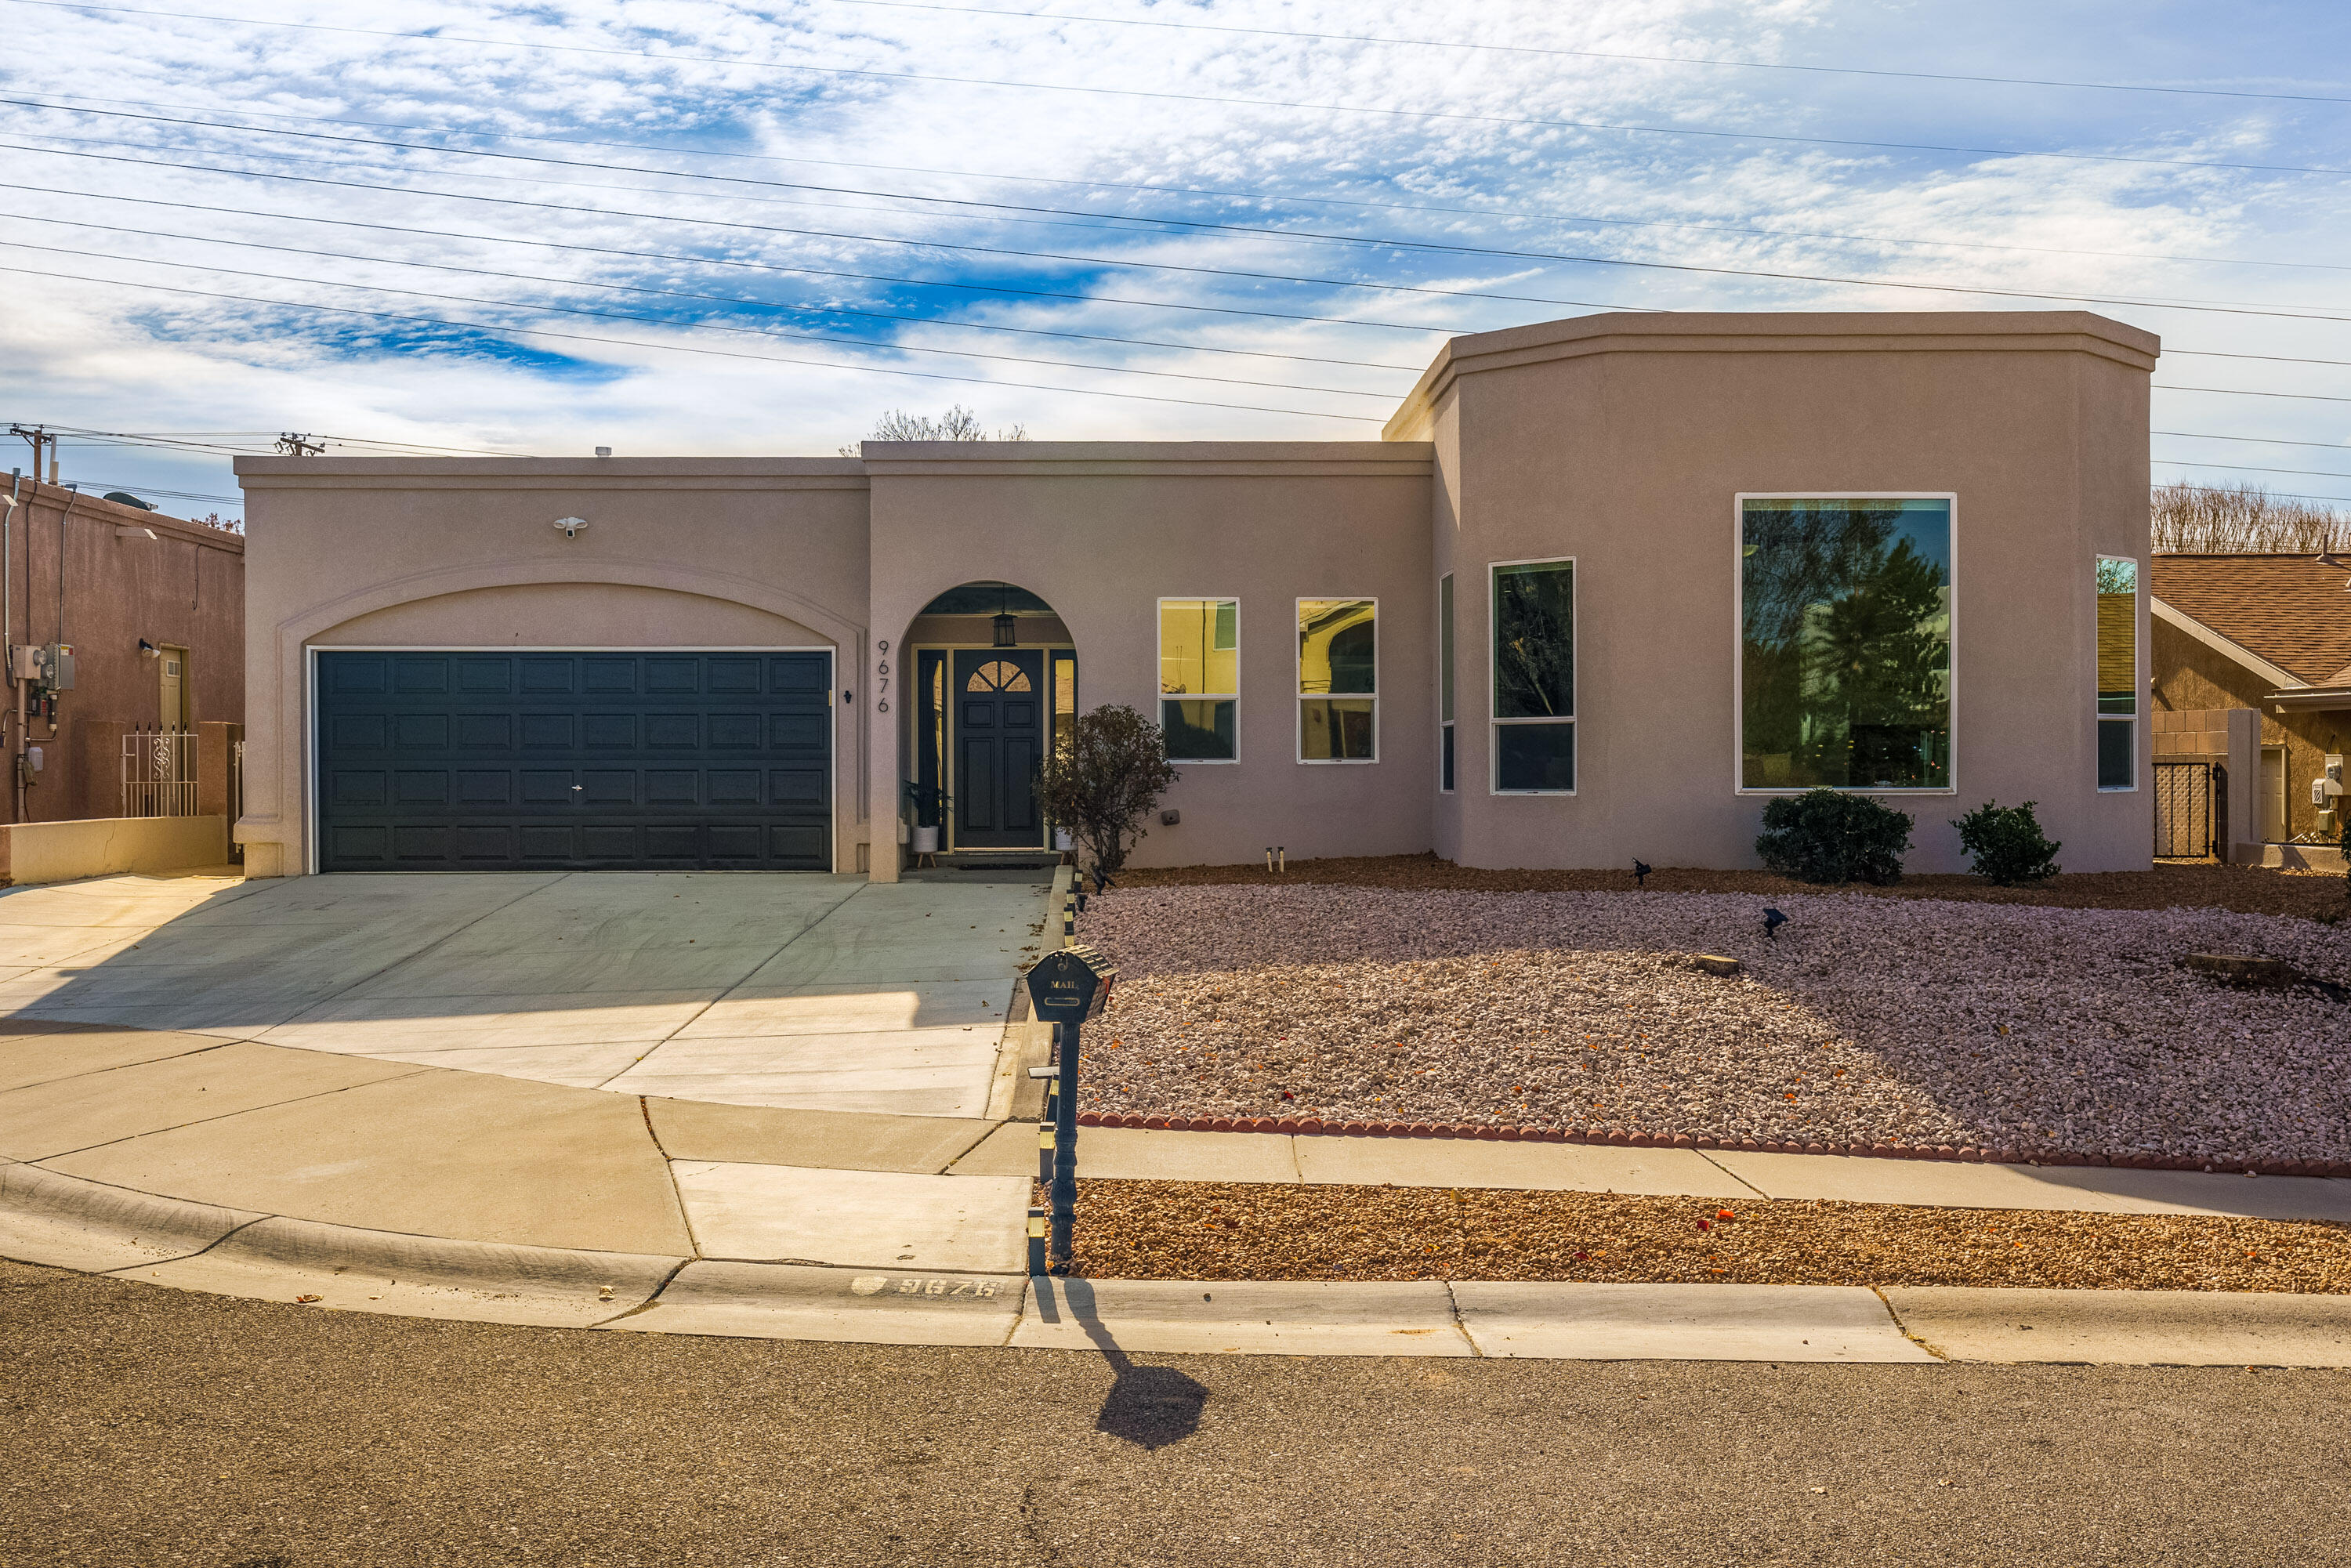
(654, 760)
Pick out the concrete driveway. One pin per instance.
(790, 991)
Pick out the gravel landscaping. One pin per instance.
(2013, 1030)
(1212, 1230)
(2316, 895)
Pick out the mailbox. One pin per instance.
(1070, 985)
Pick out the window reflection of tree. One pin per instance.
(1534, 650)
(1847, 641)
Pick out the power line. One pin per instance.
(1570, 218)
(2240, 392)
(691, 326)
(1222, 100)
(675, 348)
(2223, 308)
(2251, 468)
(2261, 440)
(1587, 54)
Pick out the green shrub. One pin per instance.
(2007, 843)
(1827, 835)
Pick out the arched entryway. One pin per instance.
(995, 685)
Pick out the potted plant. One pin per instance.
(932, 805)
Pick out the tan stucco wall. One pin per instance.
(680, 552)
(33, 853)
(1623, 442)
(1102, 531)
(2189, 676)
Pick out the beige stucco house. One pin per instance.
(1604, 588)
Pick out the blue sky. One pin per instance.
(546, 227)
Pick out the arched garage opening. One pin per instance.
(992, 685)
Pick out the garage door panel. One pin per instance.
(609, 760)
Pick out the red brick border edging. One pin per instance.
(1316, 1126)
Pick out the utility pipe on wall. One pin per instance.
(8, 636)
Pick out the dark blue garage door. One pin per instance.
(656, 760)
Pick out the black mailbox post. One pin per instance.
(1065, 988)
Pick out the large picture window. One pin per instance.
(1846, 643)
(2117, 672)
(1445, 681)
(1200, 678)
(1533, 621)
(1338, 680)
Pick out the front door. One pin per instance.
(999, 739)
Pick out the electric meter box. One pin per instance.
(56, 668)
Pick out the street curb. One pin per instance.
(65, 1222)
(1314, 1126)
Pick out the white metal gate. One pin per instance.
(158, 773)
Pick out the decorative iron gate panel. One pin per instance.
(158, 773)
(2191, 801)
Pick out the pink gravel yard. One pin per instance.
(1869, 1020)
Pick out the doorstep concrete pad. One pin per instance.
(415, 1276)
(1461, 1162)
(787, 1301)
(69, 1050)
(865, 1219)
(836, 1140)
(1342, 1317)
(69, 1223)
(1949, 1184)
(2129, 1328)
(190, 1091)
(432, 1153)
(1681, 1322)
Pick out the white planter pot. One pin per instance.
(1063, 841)
(926, 841)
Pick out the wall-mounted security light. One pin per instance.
(147, 650)
(571, 526)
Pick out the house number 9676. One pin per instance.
(881, 675)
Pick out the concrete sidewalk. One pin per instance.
(1135, 1154)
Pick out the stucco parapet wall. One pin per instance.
(550, 473)
(1179, 459)
(88, 509)
(1775, 332)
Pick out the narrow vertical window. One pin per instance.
(1845, 652)
(1338, 680)
(2117, 672)
(1065, 699)
(1200, 678)
(1533, 621)
(1444, 681)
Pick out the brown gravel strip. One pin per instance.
(1264, 1230)
(2253, 890)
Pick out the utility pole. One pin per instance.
(39, 437)
(294, 446)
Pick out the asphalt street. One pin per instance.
(143, 1425)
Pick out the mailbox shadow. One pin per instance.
(1150, 1407)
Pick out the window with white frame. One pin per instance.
(1532, 614)
(2117, 578)
(1338, 680)
(1200, 678)
(1845, 648)
(1445, 681)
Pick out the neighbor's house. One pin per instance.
(128, 628)
(2261, 642)
(1606, 588)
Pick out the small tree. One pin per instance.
(958, 423)
(1101, 784)
(1829, 836)
(2007, 843)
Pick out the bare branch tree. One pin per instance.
(958, 423)
(2242, 520)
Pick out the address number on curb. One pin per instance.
(911, 1285)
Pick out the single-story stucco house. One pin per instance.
(1604, 588)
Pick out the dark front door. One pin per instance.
(658, 759)
(998, 703)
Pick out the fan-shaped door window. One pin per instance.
(998, 676)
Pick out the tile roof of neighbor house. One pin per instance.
(2289, 608)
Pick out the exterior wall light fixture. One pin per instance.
(571, 526)
(1006, 625)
